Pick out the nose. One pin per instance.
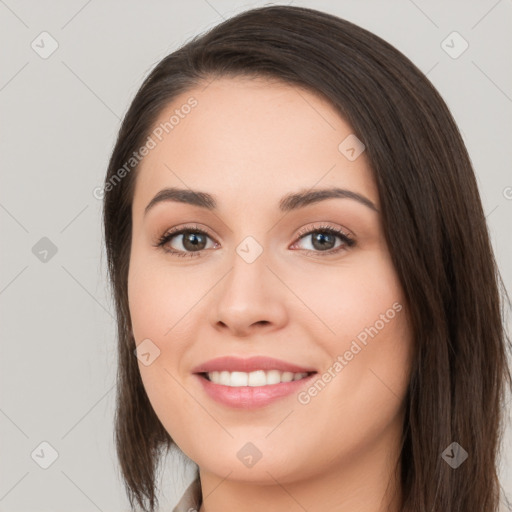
(249, 300)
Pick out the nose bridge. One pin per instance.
(246, 282)
(248, 294)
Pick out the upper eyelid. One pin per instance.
(325, 226)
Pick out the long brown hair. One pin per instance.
(433, 222)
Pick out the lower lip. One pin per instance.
(250, 397)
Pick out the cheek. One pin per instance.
(364, 333)
(149, 299)
(156, 303)
(347, 299)
(159, 299)
(161, 303)
(360, 391)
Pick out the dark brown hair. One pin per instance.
(433, 223)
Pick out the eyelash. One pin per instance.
(347, 240)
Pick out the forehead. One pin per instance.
(250, 138)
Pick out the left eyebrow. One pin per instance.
(305, 198)
(287, 203)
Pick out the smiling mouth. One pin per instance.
(256, 378)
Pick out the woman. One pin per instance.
(301, 264)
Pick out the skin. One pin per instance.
(249, 142)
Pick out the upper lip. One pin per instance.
(237, 364)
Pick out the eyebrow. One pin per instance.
(287, 203)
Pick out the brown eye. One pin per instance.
(325, 240)
(193, 241)
(184, 242)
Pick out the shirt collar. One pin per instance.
(191, 499)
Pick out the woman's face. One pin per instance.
(268, 279)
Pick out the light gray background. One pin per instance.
(59, 118)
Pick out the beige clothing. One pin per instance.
(191, 499)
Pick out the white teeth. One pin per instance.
(273, 377)
(256, 378)
(238, 379)
(223, 378)
(287, 377)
